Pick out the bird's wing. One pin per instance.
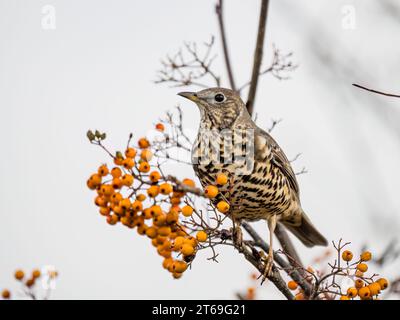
(279, 159)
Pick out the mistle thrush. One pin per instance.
(262, 182)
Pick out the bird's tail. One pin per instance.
(307, 233)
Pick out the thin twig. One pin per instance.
(257, 55)
(376, 91)
(219, 11)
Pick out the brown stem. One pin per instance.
(257, 55)
(290, 270)
(275, 277)
(376, 91)
(219, 11)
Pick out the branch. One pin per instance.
(288, 247)
(219, 11)
(275, 277)
(292, 272)
(257, 55)
(376, 91)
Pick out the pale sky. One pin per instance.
(96, 70)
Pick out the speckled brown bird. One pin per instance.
(262, 182)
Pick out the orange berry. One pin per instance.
(374, 288)
(189, 183)
(191, 241)
(125, 204)
(100, 201)
(103, 170)
(177, 275)
(160, 220)
(223, 207)
(30, 282)
(128, 163)
(19, 274)
(187, 211)
(383, 283)
(6, 294)
(366, 256)
(113, 219)
(143, 143)
(127, 180)
(172, 216)
(130, 152)
(153, 191)
(117, 183)
(352, 292)
(116, 172)
(164, 231)
(137, 205)
(178, 243)
(91, 185)
(175, 201)
(144, 167)
(105, 211)
(347, 255)
(179, 266)
(299, 296)
(35, 273)
(160, 127)
(118, 210)
(141, 197)
(292, 285)
(201, 236)
(151, 232)
(118, 161)
(147, 214)
(211, 191)
(344, 298)
(362, 267)
(166, 188)
(222, 179)
(141, 229)
(155, 210)
(364, 293)
(107, 190)
(116, 198)
(146, 155)
(167, 262)
(95, 179)
(154, 176)
(359, 283)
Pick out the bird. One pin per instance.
(262, 184)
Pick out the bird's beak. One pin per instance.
(189, 95)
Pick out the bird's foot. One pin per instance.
(268, 267)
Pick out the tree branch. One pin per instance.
(376, 91)
(219, 11)
(290, 270)
(257, 55)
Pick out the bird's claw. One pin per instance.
(268, 268)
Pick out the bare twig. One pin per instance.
(219, 11)
(376, 91)
(257, 55)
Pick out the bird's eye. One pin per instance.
(219, 97)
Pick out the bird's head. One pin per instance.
(219, 106)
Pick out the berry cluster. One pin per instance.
(135, 193)
(364, 287)
(28, 282)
